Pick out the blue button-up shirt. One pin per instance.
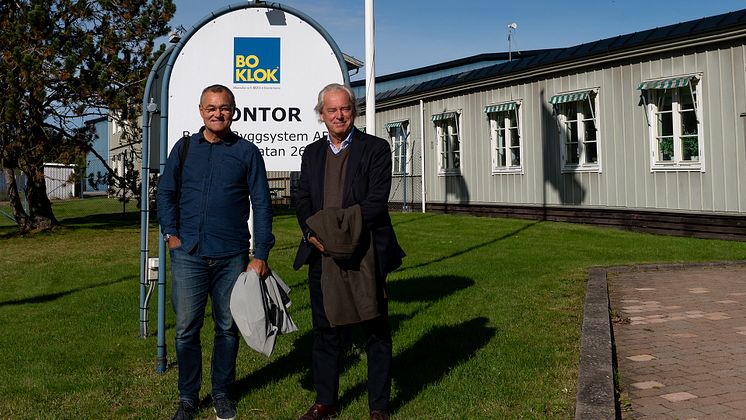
(217, 180)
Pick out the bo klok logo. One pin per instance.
(256, 60)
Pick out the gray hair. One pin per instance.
(336, 86)
(218, 89)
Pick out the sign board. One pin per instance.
(274, 62)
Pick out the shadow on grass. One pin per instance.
(298, 360)
(430, 359)
(283, 210)
(102, 221)
(9, 232)
(471, 248)
(54, 296)
(435, 354)
(414, 219)
(94, 221)
(427, 289)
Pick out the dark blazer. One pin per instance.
(367, 183)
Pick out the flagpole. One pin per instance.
(370, 69)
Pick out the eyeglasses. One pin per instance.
(214, 110)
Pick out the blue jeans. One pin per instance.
(192, 279)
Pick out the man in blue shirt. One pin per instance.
(203, 209)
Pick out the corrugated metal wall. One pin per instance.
(625, 179)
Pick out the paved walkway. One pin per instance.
(680, 339)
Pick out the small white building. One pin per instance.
(60, 180)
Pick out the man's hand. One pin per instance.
(173, 242)
(260, 267)
(315, 242)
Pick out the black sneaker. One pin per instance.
(185, 411)
(224, 408)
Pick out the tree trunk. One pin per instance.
(40, 208)
(19, 214)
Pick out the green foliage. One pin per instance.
(486, 315)
(64, 61)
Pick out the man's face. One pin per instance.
(337, 114)
(216, 111)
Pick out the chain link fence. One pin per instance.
(406, 186)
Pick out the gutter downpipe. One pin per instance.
(422, 151)
(145, 189)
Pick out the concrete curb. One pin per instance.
(595, 397)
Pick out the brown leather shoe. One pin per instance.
(379, 415)
(320, 411)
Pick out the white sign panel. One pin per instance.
(274, 62)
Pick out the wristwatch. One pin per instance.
(166, 237)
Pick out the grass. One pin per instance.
(486, 315)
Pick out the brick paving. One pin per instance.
(680, 340)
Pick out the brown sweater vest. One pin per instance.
(335, 169)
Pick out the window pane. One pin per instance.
(685, 99)
(572, 153)
(665, 124)
(665, 99)
(590, 130)
(500, 139)
(456, 160)
(443, 138)
(500, 157)
(512, 118)
(690, 148)
(591, 153)
(665, 149)
(586, 108)
(501, 120)
(572, 129)
(514, 139)
(571, 142)
(515, 156)
(499, 147)
(570, 110)
(688, 123)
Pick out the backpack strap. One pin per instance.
(182, 158)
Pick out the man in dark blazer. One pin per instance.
(345, 168)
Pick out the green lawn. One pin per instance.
(486, 315)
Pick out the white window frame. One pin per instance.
(563, 121)
(399, 136)
(493, 118)
(446, 131)
(651, 100)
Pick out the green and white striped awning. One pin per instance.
(444, 116)
(391, 125)
(569, 97)
(673, 82)
(507, 106)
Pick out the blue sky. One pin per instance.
(416, 33)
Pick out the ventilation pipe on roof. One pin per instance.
(512, 27)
